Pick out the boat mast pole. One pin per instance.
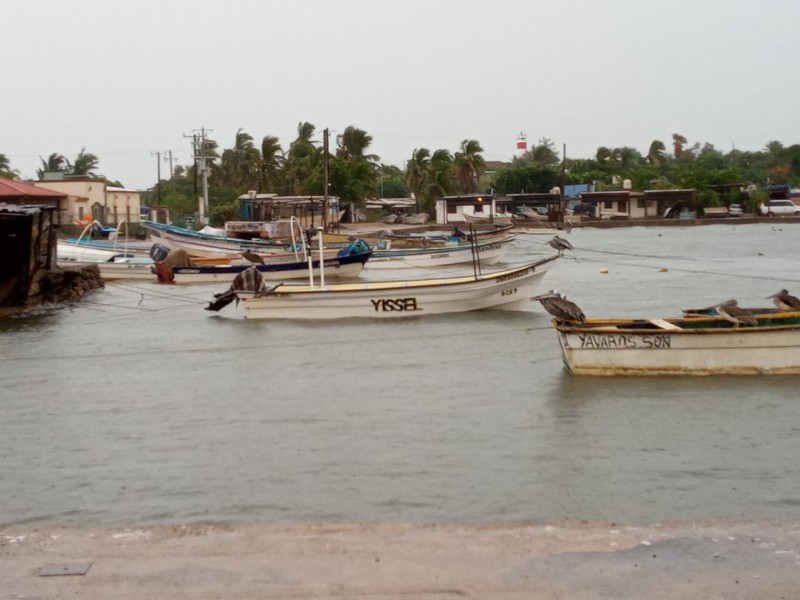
(563, 184)
(321, 263)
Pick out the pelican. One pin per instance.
(249, 280)
(560, 244)
(561, 308)
(252, 257)
(731, 311)
(785, 301)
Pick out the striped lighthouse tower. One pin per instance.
(522, 145)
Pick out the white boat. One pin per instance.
(112, 265)
(206, 245)
(71, 253)
(126, 268)
(696, 345)
(494, 218)
(488, 253)
(507, 289)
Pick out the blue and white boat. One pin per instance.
(348, 263)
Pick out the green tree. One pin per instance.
(469, 164)
(5, 168)
(352, 145)
(544, 154)
(657, 154)
(418, 173)
(526, 179)
(85, 164)
(239, 167)
(272, 161)
(55, 163)
(442, 181)
(304, 162)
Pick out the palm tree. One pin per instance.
(441, 180)
(5, 168)
(55, 163)
(304, 162)
(85, 163)
(352, 145)
(629, 159)
(418, 173)
(469, 165)
(544, 154)
(272, 161)
(657, 155)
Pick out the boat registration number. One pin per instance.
(644, 342)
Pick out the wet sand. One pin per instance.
(568, 560)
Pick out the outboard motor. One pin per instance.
(353, 248)
(158, 252)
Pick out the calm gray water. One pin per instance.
(139, 407)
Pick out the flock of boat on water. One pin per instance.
(286, 272)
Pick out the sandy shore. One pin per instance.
(705, 560)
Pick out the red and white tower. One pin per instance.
(522, 145)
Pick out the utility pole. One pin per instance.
(158, 172)
(200, 143)
(169, 158)
(325, 183)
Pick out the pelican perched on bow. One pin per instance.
(785, 301)
(560, 244)
(737, 315)
(561, 308)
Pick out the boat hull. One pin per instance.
(493, 220)
(209, 246)
(489, 253)
(767, 349)
(344, 267)
(509, 289)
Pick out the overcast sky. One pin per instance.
(127, 78)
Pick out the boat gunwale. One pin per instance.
(616, 326)
(416, 284)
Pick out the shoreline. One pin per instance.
(374, 227)
(393, 560)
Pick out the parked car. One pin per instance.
(780, 207)
(735, 210)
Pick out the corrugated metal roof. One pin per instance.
(17, 189)
(22, 210)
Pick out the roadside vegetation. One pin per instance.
(354, 173)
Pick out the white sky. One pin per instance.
(127, 78)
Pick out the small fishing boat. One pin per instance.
(388, 239)
(115, 259)
(506, 289)
(286, 234)
(347, 264)
(696, 344)
(489, 253)
(494, 218)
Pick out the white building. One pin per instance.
(95, 198)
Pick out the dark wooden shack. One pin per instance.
(28, 249)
